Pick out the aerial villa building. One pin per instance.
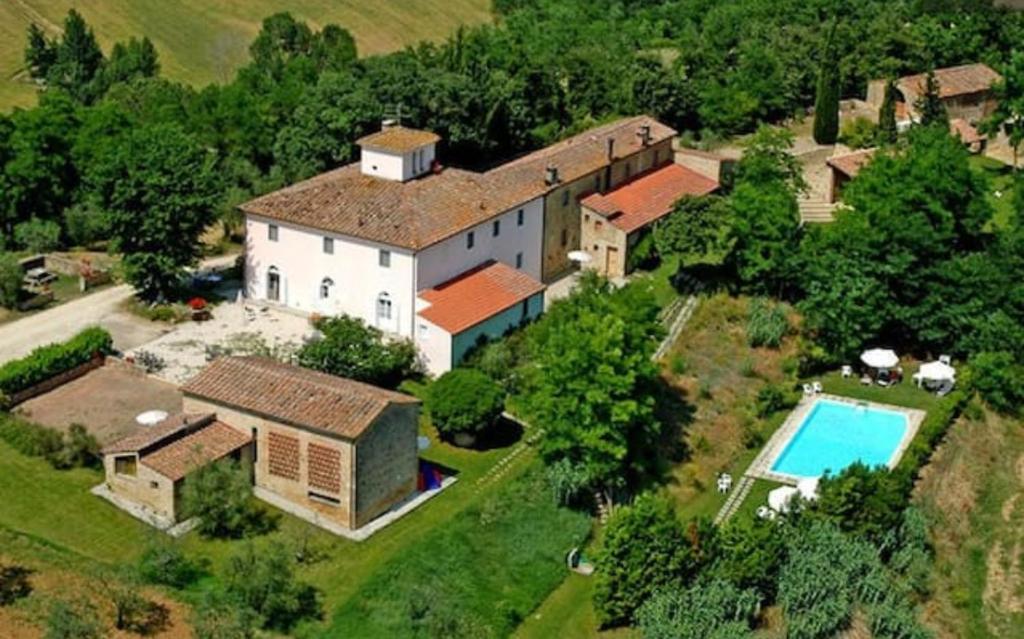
(966, 92)
(426, 252)
(336, 452)
(614, 222)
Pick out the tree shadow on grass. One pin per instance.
(504, 433)
(669, 448)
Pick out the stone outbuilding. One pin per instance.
(843, 168)
(614, 222)
(329, 449)
(966, 92)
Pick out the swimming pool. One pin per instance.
(835, 434)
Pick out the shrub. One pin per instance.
(77, 448)
(772, 398)
(37, 236)
(11, 275)
(50, 360)
(163, 562)
(350, 348)
(263, 581)
(76, 619)
(464, 400)
(644, 254)
(85, 226)
(220, 495)
(14, 583)
(715, 608)
(766, 324)
(859, 133)
(646, 548)
(999, 379)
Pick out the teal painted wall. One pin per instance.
(495, 327)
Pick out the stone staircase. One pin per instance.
(816, 211)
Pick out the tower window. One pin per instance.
(496, 228)
(329, 245)
(470, 240)
(272, 232)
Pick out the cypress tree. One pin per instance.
(929, 105)
(887, 115)
(826, 100)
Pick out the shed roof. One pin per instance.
(850, 164)
(294, 395)
(144, 437)
(196, 449)
(477, 295)
(649, 197)
(953, 81)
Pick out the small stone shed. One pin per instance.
(614, 222)
(148, 467)
(328, 449)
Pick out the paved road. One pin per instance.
(104, 308)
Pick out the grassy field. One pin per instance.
(1000, 178)
(973, 495)
(201, 42)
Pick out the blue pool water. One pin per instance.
(834, 435)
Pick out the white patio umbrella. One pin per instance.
(880, 358)
(935, 372)
(778, 499)
(808, 488)
(581, 257)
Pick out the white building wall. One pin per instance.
(298, 254)
(435, 345)
(442, 261)
(397, 166)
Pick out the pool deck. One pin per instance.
(761, 467)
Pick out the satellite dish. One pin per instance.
(151, 417)
(580, 257)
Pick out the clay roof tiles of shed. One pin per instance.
(850, 164)
(649, 197)
(398, 139)
(200, 447)
(954, 81)
(144, 437)
(294, 395)
(426, 210)
(476, 295)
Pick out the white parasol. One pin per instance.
(779, 498)
(880, 358)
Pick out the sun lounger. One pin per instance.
(808, 390)
(817, 387)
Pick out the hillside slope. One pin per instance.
(201, 41)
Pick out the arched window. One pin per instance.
(383, 307)
(326, 285)
(273, 284)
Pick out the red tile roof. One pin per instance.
(851, 163)
(144, 437)
(476, 295)
(426, 210)
(398, 139)
(649, 197)
(294, 395)
(963, 129)
(200, 447)
(953, 81)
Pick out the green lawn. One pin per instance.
(906, 394)
(65, 289)
(201, 42)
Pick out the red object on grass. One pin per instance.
(197, 303)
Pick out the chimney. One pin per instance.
(645, 134)
(551, 175)
(611, 149)
(387, 123)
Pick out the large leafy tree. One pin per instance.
(591, 383)
(699, 230)
(645, 548)
(160, 190)
(1008, 93)
(347, 347)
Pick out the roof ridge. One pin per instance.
(321, 379)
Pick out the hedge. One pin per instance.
(53, 359)
(933, 428)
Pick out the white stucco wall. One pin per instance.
(435, 345)
(354, 267)
(442, 261)
(396, 166)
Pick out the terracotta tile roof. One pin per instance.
(426, 210)
(649, 197)
(523, 179)
(851, 163)
(476, 295)
(967, 133)
(144, 437)
(293, 395)
(198, 448)
(953, 81)
(398, 139)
